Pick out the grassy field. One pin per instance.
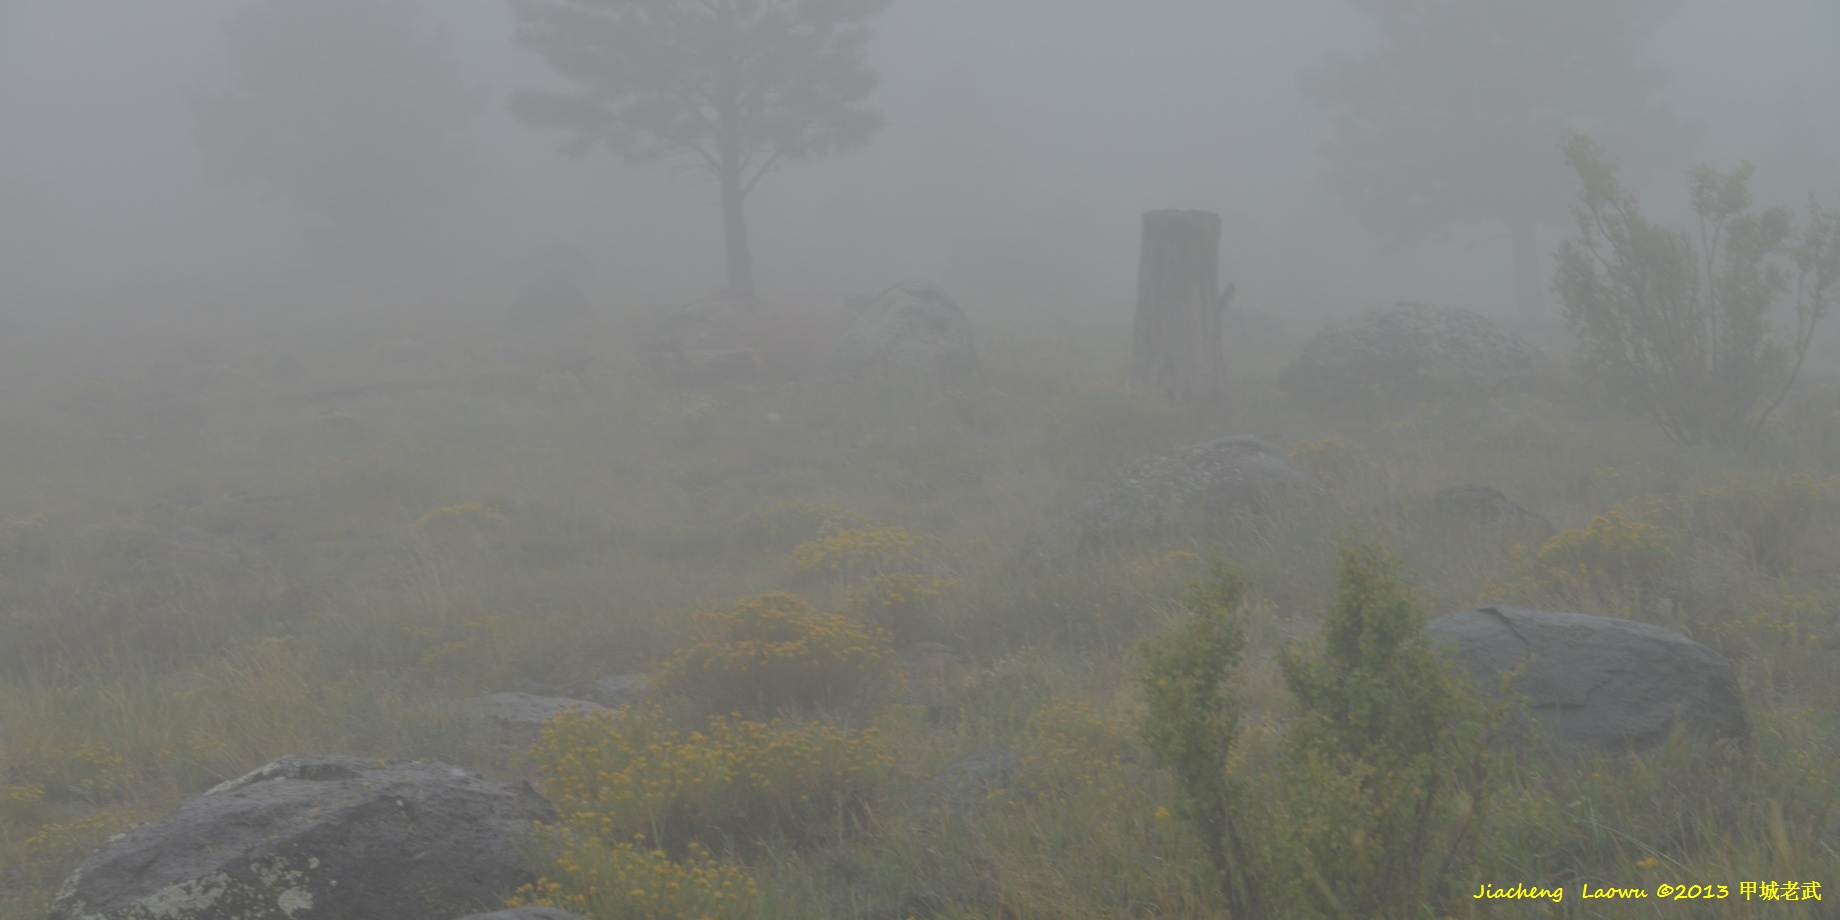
(217, 549)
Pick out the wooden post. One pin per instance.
(1176, 344)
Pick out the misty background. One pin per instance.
(1023, 141)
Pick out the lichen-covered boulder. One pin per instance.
(1196, 486)
(1598, 682)
(1410, 351)
(910, 327)
(318, 837)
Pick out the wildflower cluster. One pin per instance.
(869, 548)
(773, 650)
(901, 574)
(1606, 563)
(21, 802)
(613, 775)
(1071, 748)
(68, 842)
(601, 879)
(86, 771)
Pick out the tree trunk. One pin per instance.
(1529, 286)
(734, 234)
(1176, 343)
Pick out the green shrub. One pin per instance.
(1681, 334)
(1190, 725)
(1387, 761)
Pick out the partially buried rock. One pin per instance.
(910, 327)
(1410, 351)
(1598, 682)
(1488, 510)
(318, 836)
(619, 689)
(1200, 485)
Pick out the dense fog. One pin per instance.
(1023, 138)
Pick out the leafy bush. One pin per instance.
(772, 650)
(1387, 763)
(899, 575)
(619, 776)
(1191, 725)
(1681, 334)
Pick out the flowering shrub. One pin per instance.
(900, 575)
(868, 549)
(1071, 748)
(87, 771)
(1606, 563)
(617, 776)
(600, 879)
(773, 650)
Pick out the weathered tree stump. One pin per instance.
(1176, 342)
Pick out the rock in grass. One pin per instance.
(318, 836)
(909, 327)
(1153, 497)
(1598, 682)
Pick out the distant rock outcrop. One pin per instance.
(909, 327)
(708, 342)
(1202, 484)
(1410, 351)
(1598, 682)
(318, 836)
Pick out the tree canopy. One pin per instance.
(352, 111)
(732, 88)
(1457, 117)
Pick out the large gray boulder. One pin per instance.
(910, 327)
(1598, 682)
(318, 836)
(1195, 486)
(1410, 351)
